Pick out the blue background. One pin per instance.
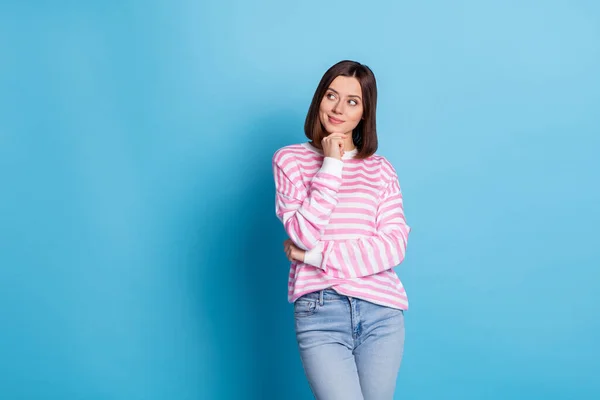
(140, 256)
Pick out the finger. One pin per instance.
(335, 137)
(298, 255)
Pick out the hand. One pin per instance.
(293, 252)
(333, 145)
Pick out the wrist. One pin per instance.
(332, 166)
(314, 256)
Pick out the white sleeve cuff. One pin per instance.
(332, 166)
(314, 256)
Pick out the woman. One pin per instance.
(341, 207)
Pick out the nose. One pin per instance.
(337, 107)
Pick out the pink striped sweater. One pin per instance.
(348, 215)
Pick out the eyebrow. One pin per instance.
(351, 95)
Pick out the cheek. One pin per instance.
(323, 111)
(355, 114)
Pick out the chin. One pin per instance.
(333, 128)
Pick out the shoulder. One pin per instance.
(290, 152)
(382, 165)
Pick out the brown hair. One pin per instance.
(364, 135)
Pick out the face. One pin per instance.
(342, 106)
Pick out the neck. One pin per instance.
(349, 144)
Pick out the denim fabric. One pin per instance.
(350, 348)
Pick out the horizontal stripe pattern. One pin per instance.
(352, 216)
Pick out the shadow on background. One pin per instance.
(248, 319)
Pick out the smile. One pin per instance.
(335, 120)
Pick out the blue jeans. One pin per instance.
(350, 348)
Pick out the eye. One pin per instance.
(331, 96)
(353, 102)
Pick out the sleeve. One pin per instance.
(373, 254)
(304, 211)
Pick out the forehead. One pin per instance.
(346, 85)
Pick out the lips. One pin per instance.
(335, 120)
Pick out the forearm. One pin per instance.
(305, 214)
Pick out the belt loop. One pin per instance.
(321, 297)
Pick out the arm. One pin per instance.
(369, 255)
(303, 211)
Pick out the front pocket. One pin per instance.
(304, 308)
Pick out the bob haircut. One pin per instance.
(364, 135)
